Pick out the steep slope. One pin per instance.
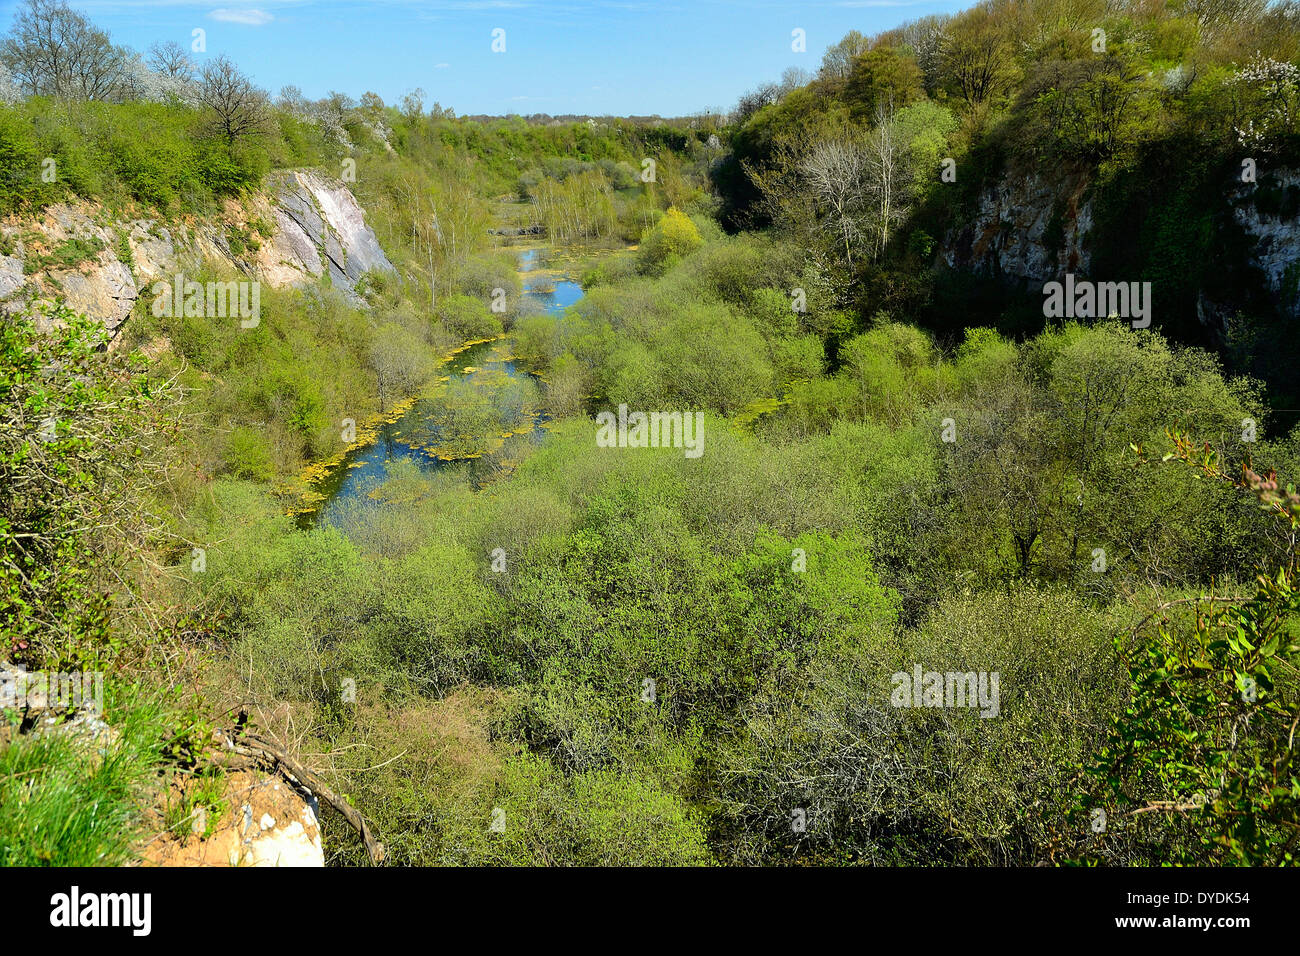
(300, 228)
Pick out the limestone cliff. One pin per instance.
(299, 229)
(1029, 228)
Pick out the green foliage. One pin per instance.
(250, 454)
(598, 818)
(272, 396)
(880, 79)
(152, 153)
(77, 426)
(66, 255)
(672, 237)
(1207, 738)
(466, 318)
(64, 803)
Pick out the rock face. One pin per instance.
(320, 228)
(1027, 231)
(264, 822)
(102, 267)
(1277, 233)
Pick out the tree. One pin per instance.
(332, 114)
(1269, 93)
(837, 61)
(1215, 16)
(399, 360)
(292, 100)
(1004, 472)
(780, 183)
(372, 105)
(976, 59)
(9, 92)
(238, 107)
(753, 101)
(579, 207)
(1091, 109)
(170, 73)
(674, 235)
(413, 104)
(836, 170)
(889, 174)
(170, 60)
(792, 78)
(882, 76)
(55, 51)
(926, 37)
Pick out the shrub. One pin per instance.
(250, 454)
(672, 237)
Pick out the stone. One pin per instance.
(317, 227)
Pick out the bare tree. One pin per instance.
(55, 51)
(292, 100)
(238, 106)
(753, 101)
(836, 170)
(137, 81)
(397, 359)
(792, 78)
(170, 60)
(889, 173)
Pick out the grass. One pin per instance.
(68, 254)
(205, 790)
(64, 803)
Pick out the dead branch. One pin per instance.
(252, 746)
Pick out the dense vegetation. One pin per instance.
(689, 660)
(1145, 110)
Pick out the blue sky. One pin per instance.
(562, 56)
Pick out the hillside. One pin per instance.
(893, 471)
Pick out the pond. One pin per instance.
(476, 420)
(553, 293)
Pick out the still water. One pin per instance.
(475, 420)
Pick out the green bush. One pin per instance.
(672, 237)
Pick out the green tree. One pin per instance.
(671, 238)
(882, 77)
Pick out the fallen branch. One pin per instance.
(251, 746)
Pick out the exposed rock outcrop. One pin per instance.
(319, 227)
(1277, 233)
(1028, 229)
(301, 228)
(263, 822)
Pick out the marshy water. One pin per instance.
(476, 419)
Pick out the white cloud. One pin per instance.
(441, 66)
(248, 17)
